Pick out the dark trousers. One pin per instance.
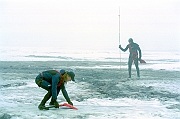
(47, 86)
(130, 61)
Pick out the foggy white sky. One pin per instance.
(86, 24)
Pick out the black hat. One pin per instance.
(72, 75)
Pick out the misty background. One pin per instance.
(90, 24)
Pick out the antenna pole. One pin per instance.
(119, 25)
(119, 41)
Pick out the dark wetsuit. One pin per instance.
(133, 56)
(49, 81)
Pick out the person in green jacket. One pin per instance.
(53, 81)
(133, 55)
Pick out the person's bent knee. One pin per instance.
(38, 81)
(43, 84)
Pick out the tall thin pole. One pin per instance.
(119, 40)
(119, 25)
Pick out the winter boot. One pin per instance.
(43, 107)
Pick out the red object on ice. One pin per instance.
(68, 105)
(142, 61)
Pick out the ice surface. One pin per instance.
(101, 91)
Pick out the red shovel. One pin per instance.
(142, 61)
(68, 105)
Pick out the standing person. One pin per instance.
(133, 56)
(53, 81)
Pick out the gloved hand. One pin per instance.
(119, 46)
(69, 102)
(139, 58)
(56, 104)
